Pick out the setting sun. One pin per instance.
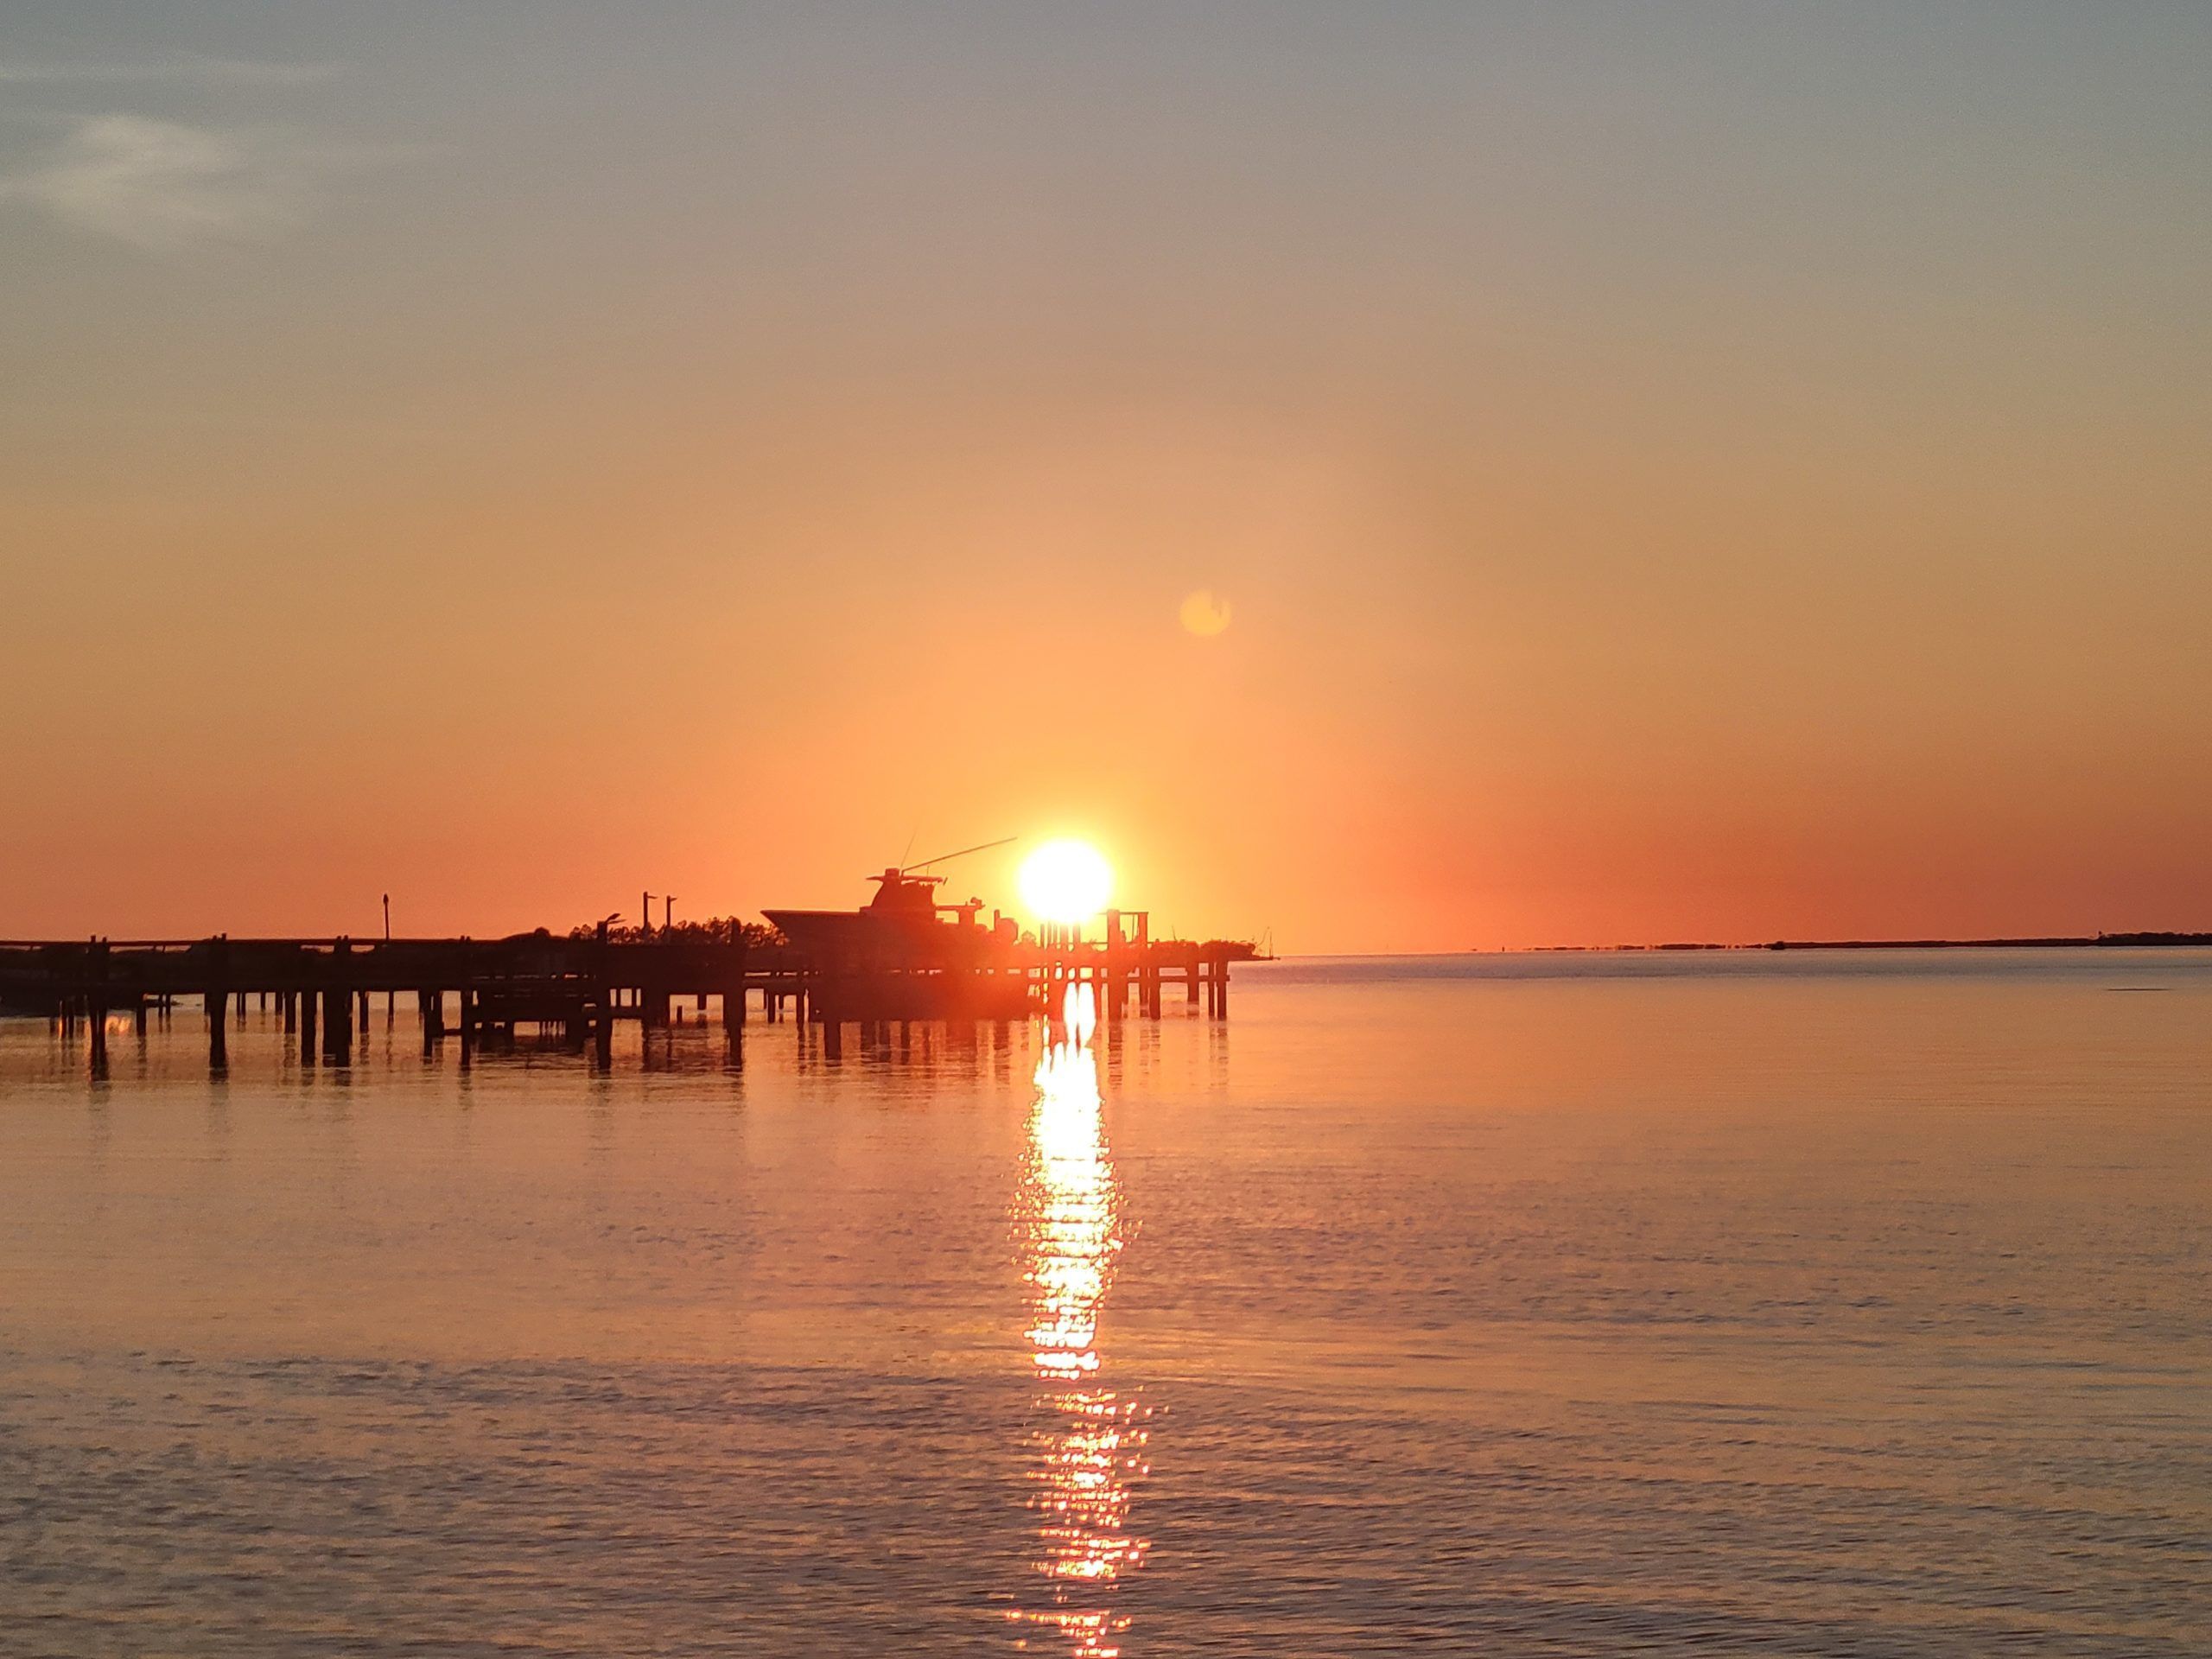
(1065, 881)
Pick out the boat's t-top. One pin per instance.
(902, 893)
(897, 890)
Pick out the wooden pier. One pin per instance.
(575, 989)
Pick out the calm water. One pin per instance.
(1797, 1305)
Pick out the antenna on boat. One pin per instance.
(942, 858)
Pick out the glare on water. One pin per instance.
(1092, 1444)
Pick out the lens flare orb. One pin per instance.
(1204, 613)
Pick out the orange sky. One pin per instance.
(1714, 474)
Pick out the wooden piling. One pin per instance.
(215, 997)
(338, 1005)
(96, 966)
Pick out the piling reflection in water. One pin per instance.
(1091, 1449)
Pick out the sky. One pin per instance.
(1691, 472)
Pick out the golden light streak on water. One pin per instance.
(1091, 1449)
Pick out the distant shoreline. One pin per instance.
(2049, 943)
(2088, 941)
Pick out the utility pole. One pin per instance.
(646, 916)
(668, 913)
(387, 918)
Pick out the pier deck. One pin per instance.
(479, 991)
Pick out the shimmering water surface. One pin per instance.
(1753, 1303)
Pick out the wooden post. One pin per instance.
(338, 1005)
(216, 997)
(1113, 993)
(289, 1001)
(96, 999)
(308, 1025)
(1149, 968)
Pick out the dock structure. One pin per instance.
(575, 989)
(970, 973)
(478, 990)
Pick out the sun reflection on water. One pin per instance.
(1091, 1448)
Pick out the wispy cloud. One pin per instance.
(183, 66)
(161, 184)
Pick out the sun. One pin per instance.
(1065, 881)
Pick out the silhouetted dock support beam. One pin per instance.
(217, 1000)
(96, 1001)
(1213, 972)
(338, 1006)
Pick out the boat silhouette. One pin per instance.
(904, 924)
